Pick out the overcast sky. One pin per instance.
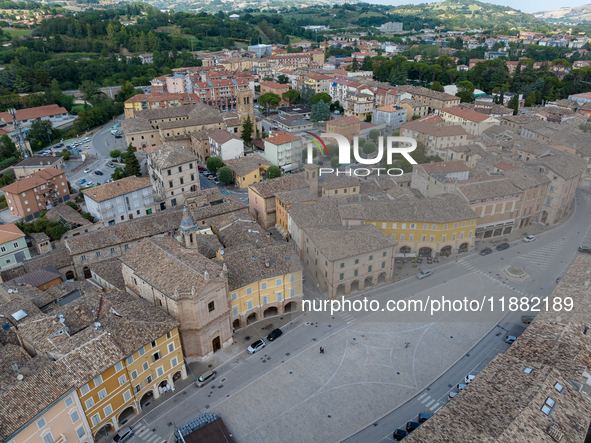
(523, 5)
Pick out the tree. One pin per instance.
(530, 100)
(514, 104)
(118, 174)
(465, 91)
(292, 96)
(115, 153)
(41, 132)
(398, 75)
(331, 149)
(89, 89)
(225, 175)
(305, 154)
(213, 164)
(132, 165)
(282, 79)
(320, 112)
(415, 117)
(436, 86)
(65, 154)
(321, 96)
(369, 147)
(334, 162)
(246, 133)
(8, 147)
(374, 134)
(355, 65)
(452, 73)
(435, 70)
(269, 100)
(273, 172)
(306, 94)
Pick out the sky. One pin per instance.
(523, 5)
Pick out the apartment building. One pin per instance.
(273, 87)
(437, 178)
(495, 201)
(472, 121)
(34, 164)
(319, 83)
(122, 200)
(564, 172)
(173, 171)
(359, 105)
(348, 127)
(534, 186)
(248, 170)
(392, 115)
(339, 269)
(13, 246)
(38, 192)
(433, 99)
(25, 117)
(414, 107)
(284, 150)
(225, 145)
(295, 59)
(422, 228)
(435, 138)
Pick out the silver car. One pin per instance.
(122, 435)
(424, 273)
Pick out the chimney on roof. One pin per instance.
(586, 329)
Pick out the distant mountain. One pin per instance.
(575, 14)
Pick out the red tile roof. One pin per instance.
(33, 113)
(36, 179)
(466, 114)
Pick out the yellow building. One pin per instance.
(248, 170)
(155, 366)
(283, 201)
(136, 103)
(317, 57)
(335, 185)
(263, 282)
(426, 228)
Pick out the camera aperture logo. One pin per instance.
(345, 154)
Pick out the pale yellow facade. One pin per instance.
(62, 422)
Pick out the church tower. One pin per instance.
(244, 105)
(311, 177)
(188, 231)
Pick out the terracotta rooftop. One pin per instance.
(36, 179)
(445, 208)
(247, 267)
(221, 136)
(36, 278)
(282, 138)
(565, 165)
(169, 267)
(169, 155)
(434, 130)
(117, 188)
(273, 85)
(345, 121)
(245, 165)
(445, 167)
(66, 214)
(340, 242)
(466, 114)
(33, 113)
(488, 189)
(269, 188)
(10, 232)
(38, 160)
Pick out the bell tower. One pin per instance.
(188, 231)
(244, 105)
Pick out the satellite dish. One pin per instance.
(10, 291)
(20, 377)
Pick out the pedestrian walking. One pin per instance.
(321, 350)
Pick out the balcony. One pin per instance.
(61, 439)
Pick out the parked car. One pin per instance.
(423, 417)
(122, 435)
(510, 339)
(275, 333)
(110, 180)
(460, 386)
(452, 394)
(201, 168)
(99, 172)
(81, 181)
(87, 139)
(585, 249)
(217, 182)
(206, 377)
(399, 434)
(412, 425)
(527, 319)
(110, 165)
(256, 346)
(89, 184)
(486, 251)
(503, 246)
(424, 273)
(118, 136)
(468, 379)
(87, 170)
(529, 238)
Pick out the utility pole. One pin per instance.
(20, 138)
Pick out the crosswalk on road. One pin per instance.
(545, 255)
(429, 402)
(146, 435)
